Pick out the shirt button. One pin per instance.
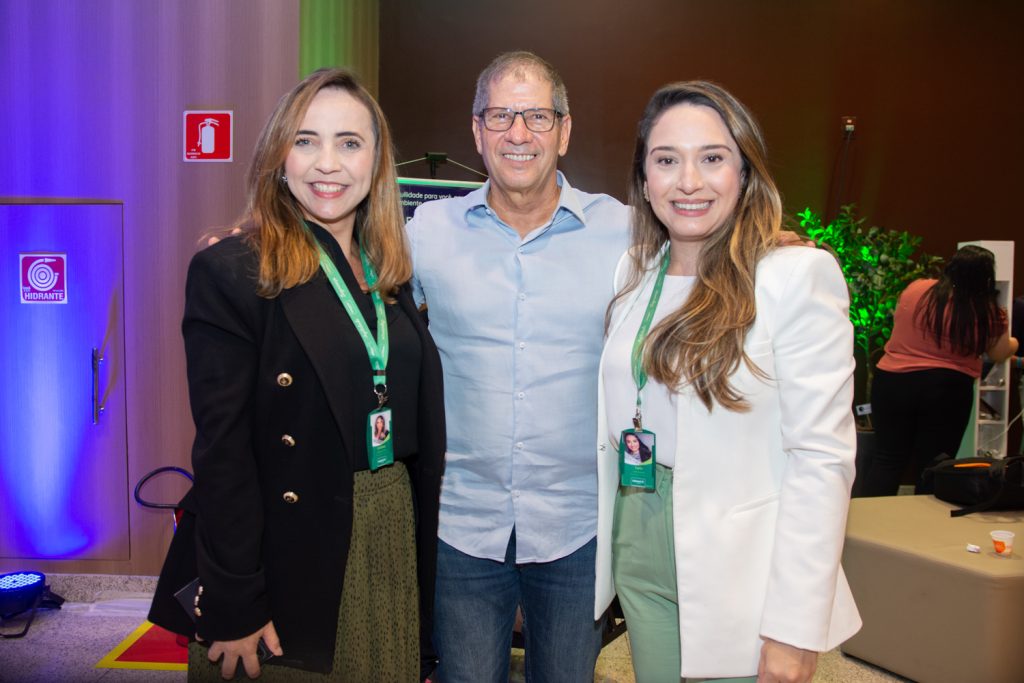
(519, 445)
(284, 379)
(522, 297)
(515, 494)
(290, 497)
(198, 612)
(522, 345)
(288, 440)
(521, 395)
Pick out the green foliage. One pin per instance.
(878, 264)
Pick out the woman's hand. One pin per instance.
(244, 649)
(214, 239)
(781, 663)
(788, 238)
(1002, 348)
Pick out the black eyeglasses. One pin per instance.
(500, 119)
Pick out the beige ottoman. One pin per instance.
(932, 611)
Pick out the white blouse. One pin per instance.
(659, 403)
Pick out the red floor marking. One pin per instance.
(147, 647)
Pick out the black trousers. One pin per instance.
(917, 415)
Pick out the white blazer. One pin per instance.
(759, 497)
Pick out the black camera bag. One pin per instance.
(978, 484)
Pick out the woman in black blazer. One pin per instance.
(305, 538)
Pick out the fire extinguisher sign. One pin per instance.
(208, 135)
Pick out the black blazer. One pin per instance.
(258, 556)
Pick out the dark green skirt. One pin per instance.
(378, 622)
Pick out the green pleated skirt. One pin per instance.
(378, 621)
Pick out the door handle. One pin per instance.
(97, 359)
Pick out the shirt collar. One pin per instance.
(568, 200)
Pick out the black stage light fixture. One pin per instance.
(21, 592)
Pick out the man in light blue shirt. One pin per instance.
(517, 276)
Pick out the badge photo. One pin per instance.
(380, 427)
(637, 458)
(379, 444)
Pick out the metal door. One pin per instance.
(63, 457)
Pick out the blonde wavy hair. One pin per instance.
(701, 343)
(273, 221)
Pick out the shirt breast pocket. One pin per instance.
(463, 303)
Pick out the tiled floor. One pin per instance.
(615, 666)
(63, 646)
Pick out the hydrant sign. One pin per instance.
(208, 136)
(44, 278)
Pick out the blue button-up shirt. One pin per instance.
(519, 323)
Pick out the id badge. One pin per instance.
(379, 441)
(637, 458)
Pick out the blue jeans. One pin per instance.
(475, 609)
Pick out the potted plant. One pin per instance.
(878, 264)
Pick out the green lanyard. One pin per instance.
(377, 350)
(639, 376)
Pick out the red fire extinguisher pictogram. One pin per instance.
(208, 135)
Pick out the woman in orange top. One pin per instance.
(924, 383)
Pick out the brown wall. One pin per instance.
(934, 84)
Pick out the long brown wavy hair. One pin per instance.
(961, 310)
(701, 343)
(272, 222)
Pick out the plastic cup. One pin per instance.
(1003, 542)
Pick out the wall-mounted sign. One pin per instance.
(44, 278)
(208, 135)
(415, 191)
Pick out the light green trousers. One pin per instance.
(644, 570)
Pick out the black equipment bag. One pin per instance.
(978, 484)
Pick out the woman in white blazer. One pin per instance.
(728, 565)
